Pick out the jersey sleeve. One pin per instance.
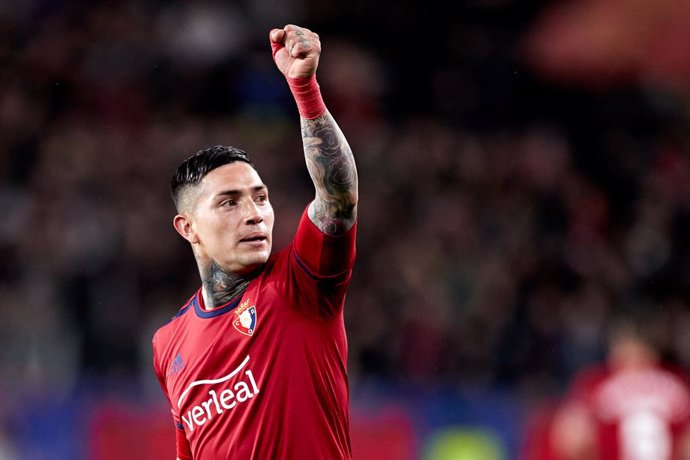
(321, 266)
(184, 452)
(324, 256)
(182, 448)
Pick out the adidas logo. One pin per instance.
(176, 366)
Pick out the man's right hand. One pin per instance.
(296, 50)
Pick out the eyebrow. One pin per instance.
(254, 189)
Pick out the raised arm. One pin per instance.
(296, 51)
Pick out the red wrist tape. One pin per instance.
(307, 95)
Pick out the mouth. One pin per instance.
(254, 238)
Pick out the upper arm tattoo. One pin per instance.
(333, 171)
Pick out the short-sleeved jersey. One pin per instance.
(264, 376)
(639, 414)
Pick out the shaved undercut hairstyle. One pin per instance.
(195, 168)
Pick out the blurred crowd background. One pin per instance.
(524, 180)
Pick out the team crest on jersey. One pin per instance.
(245, 318)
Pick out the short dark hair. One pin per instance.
(192, 170)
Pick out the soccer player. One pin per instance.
(254, 364)
(636, 407)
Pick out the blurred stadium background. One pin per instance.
(525, 177)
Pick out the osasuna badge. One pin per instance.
(245, 318)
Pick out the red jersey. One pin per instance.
(264, 376)
(640, 414)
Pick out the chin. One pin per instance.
(254, 264)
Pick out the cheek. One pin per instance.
(269, 218)
(219, 229)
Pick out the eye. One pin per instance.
(261, 198)
(228, 203)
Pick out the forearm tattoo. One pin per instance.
(221, 287)
(332, 168)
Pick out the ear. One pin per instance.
(183, 225)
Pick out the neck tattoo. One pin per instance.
(220, 287)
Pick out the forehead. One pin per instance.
(233, 176)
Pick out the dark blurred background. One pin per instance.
(524, 178)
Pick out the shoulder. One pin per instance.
(165, 332)
(277, 262)
(585, 382)
(677, 371)
(679, 376)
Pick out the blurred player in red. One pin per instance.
(633, 408)
(254, 364)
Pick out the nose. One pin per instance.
(251, 213)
